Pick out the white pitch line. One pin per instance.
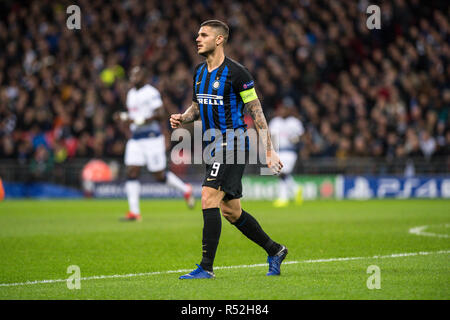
(130, 275)
(420, 232)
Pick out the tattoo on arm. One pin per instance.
(254, 108)
(192, 113)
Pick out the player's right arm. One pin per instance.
(123, 116)
(191, 114)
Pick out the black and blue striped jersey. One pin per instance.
(221, 95)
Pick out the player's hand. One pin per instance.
(176, 120)
(122, 117)
(294, 139)
(274, 162)
(116, 116)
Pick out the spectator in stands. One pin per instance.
(42, 164)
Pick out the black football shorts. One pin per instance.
(226, 177)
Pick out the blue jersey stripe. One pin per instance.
(240, 106)
(241, 123)
(221, 109)
(202, 86)
(233, 105)
(199, 71)
(236, 112)
(210, 111)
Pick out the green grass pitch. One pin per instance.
(331, 245)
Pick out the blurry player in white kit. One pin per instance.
(287, 130)
(147, 144)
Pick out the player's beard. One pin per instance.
(207, 51)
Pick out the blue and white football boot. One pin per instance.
(199, 273)
(275, 262)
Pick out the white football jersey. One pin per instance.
(286, 130)
(142, 103)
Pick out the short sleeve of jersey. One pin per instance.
(273, 125)
(244, 84)
(127, 102)
(298, 127)
(155, 97)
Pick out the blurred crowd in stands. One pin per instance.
(359, 92)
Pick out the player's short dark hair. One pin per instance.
(142, 69)
(221, 26)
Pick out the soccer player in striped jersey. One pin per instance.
(222, 90)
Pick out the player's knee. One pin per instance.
(160, 176)
(209, 202)
(133, 172)
(210, 199)
(230, 213)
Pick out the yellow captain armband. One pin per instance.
(248, 95)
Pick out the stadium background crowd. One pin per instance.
(359, 92)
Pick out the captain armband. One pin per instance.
(248, 95)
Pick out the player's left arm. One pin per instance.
(159, 114)
(244, 84)
(254, 108)
(297, 132)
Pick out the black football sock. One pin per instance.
(248, 225)
(212, 225)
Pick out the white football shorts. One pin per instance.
(288, 159)
(148, 151)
